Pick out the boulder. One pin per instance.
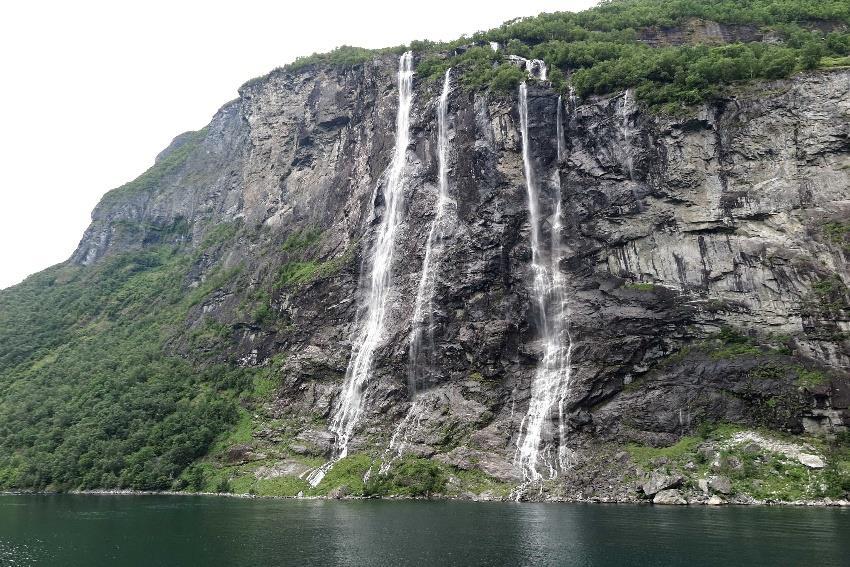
(811, 461)
(238, 453)
(670, 496)
(315, 442)
(715, 500)
(720, 484)
(622, 457)
(339, 492)
(659, 481)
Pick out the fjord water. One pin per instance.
(372, 312)
(93, 531)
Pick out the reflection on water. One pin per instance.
(88, 531)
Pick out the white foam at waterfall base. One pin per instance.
(422, 324)
(536, 444)
(372, 312)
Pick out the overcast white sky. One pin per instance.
(91, 91)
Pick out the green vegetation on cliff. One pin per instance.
(672, 51)
(634, 43)
(152, 179)
(91, 398)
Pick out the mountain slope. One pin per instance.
(199, 336)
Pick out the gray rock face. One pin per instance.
(315, 442)
(659, 481)
(675, 228)
(671, 496)
(720, 484)
(811, 461)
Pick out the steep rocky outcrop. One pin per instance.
(705, 283)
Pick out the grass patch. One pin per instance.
(810, 378)
(214, 281)
(152, 179)
(264, 386)
(293, 274)
(411, 476)
(346, 472)
(833, 62)
(239, 434)
(733, 345)
(478, 482)
(280, 486)
(639, 286)
(735, 350)
(644, 455)
(300, 240)
(220, 233)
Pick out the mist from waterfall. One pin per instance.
(537, 445)
(372, 313)
(421, 348)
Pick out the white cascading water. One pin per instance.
(350, 404)
(401, 437)
(549, 389)
(559, 298)
(421, 348)
(625, 129)
(537, 68)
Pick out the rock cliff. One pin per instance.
(706, 261)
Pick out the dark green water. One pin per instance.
(67, 530)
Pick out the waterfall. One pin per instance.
(422, 332)
(550, 385)
(559, 299)
(559, 142)
(408, 426)
(536, 68)
(350, 403)
(625, 112)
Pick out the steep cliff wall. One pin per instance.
(706, 263)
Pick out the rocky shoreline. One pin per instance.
(690, 501)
